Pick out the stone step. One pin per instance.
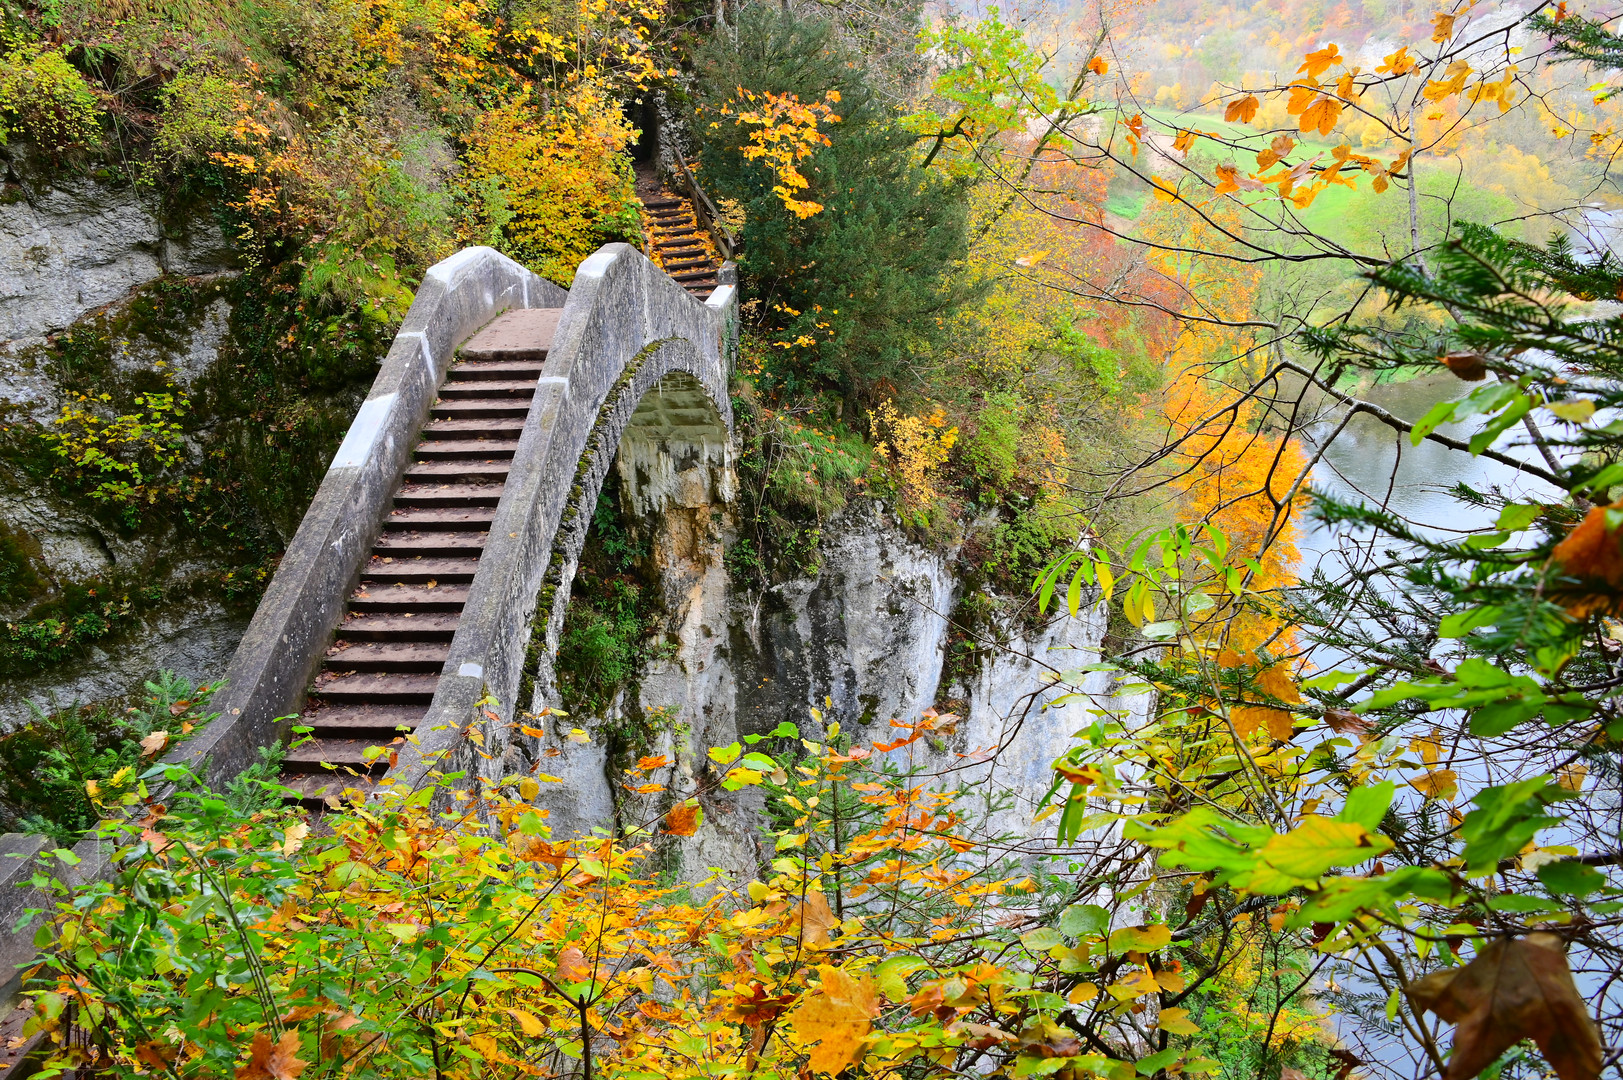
(318, 792)
(436, 519)
(434, 544)
(482, 408)
(668, 234)
(331, 757)
(399, 599)
(402, 628)
(662, 202)
(521, 334)
(695, 275)
(482, 449)
(448, 495)
(419, 658)
(375, 688)
(379, 722)
(688, 264)
(498, 370)
(488, 388)
(459, 472)
(500, 427)
(389, 570)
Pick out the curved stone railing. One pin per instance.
(624, 319)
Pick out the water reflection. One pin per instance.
(1372, 463)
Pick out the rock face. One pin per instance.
(80, 244)
(862, 641)
(69, 249)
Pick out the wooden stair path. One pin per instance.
(677, 243)
(380, 674)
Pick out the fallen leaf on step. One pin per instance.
(154, 743)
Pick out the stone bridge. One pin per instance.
(433, 568)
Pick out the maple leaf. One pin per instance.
(1442, 26)
(273, 1061)
(1302, 95)
(749, 1003)
(684, 818)
(1343, 722)
(572, 965)
(1165, 190)
(293, 838)
(1513, 990)
(1135, 130)
(1398, 63)
(651, 763)
(1317, 63)
(1322, 114)
(154, 743)
(1592, 552)
(1241, 109)
(1183, 142)
(1453, 82)
(836, 1016)
(1282, 145)
(1099, 65)
(1231, 179)
(815, 919)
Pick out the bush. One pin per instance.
(550, 189)
(45, 100)
(857, 290)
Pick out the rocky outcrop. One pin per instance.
(79, 244)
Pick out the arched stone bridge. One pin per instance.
(628, 362)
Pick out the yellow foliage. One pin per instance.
(784, 133)
(914, 448)
(551, 188)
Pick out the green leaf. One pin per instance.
(1461, 623)
(1506, 818)
(725, 755)
(1571, 878)
(1367, 806)
(1436, 416)
(1499, 424)
(1156, 1062)
(1609, 477)
(1080, 920)
(1310, 851)
(1521, 904)
(1517, 516)
(892, 974)
(1498, 717)
(1042, 939)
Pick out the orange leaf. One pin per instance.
(1165, 190)
(273, 1061)
(836, 1016)
(1467, 365)
(1242, 110)
(1442, 27)
(816, 919)
(1282, 145)
(1322, 114)
(684, 818)
(1184, 140)
(572, 965)
(1398, 63)
(1317, 63)
(1098, 65)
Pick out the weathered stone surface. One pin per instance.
(80, 244)
(193, 638)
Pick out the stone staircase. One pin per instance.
(384, 666)
(679, 245)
